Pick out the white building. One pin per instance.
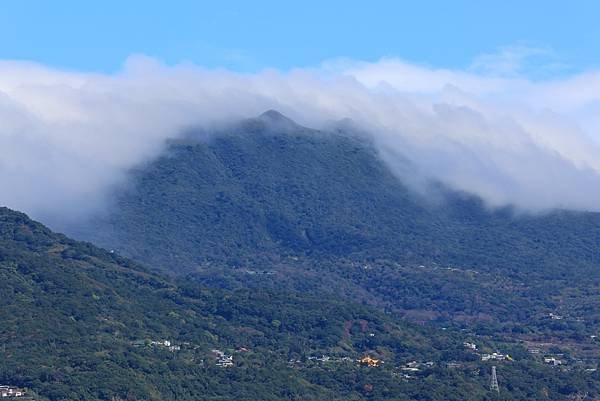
(494, 357)
(550, 360)
(225, 361)
(10, 391)
(471, 346)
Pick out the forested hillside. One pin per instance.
(320, 212)
(82, 323)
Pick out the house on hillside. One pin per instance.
(225, 361)
(550, 360)
(470, 345)
(495, 357)
(11, 391)
(322, 358)
(372, 362)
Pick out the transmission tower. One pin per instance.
(494, 381)
(578, 397)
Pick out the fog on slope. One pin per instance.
(67, 138)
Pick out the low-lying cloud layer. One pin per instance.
(66, 137)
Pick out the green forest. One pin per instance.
(81, 323)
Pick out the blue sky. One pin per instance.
(253, 35)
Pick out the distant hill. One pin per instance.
(326, 214)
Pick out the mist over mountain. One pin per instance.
(268, 186)
(509, 141)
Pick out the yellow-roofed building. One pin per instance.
(367, 360)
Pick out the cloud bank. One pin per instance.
(67, 137)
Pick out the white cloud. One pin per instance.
(67, 137)
(519, 60)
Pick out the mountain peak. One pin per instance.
(275, 120)
(273, 115)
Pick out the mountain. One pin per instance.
(258, 192)
(322, 213)
(270, 187)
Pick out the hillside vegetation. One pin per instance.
(82, 323)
